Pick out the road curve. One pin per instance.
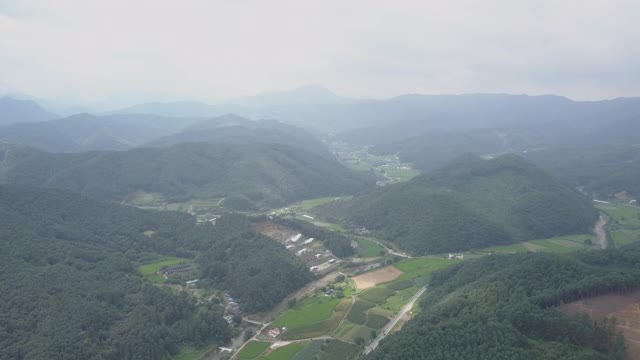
(387, 329)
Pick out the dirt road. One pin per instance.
(600, 230)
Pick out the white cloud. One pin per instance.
(90, 50)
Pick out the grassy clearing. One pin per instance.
(252, 350)
(417, 267)
(558, 244)
(358, 331)
(400, 173)
(508, 249)
(285, 352)
(369, 249)
(149, 270)
(319, 328)
(191, 353)
(625, 237)
(309, 352)
(400, 285)
(622, 214)
(624, 223)
(311, 203)
(376, 295)
(311, 310)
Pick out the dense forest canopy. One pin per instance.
(469, 203)
(69, 285)
(247, 176)
(502, 307)
(603, 170)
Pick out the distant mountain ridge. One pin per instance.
(86, 132)
(22, 111)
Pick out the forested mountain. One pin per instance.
(231, 129)
(69, 288)
(246, 176)
(550, 116)
(20, 111)
(503, 307)
(600, 169)
(469, 203)
(85, 132)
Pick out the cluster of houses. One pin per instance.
(232, 306)
(455, 257)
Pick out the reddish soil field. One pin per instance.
(370, 279)
(624, 308)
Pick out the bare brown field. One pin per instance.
(275, 231)
(624, 308)
(373, 278)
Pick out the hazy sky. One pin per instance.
(86, 50)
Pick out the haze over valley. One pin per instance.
(336, 181)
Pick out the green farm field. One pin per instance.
(252, 350)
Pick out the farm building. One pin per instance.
(274, 333)
(301, 251)
(296, 238)
(308, 241)
(177, 269)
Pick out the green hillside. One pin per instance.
(600, 169)
(504, 307)
(469, 203)
(246, 176)
(69, 285)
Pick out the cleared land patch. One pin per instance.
(419, 267)
(315, 329)
(311, 310)
(624, 308)
(149, 270)
(369, 249)
(373, 278)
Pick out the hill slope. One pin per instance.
(600, 169)
(470, 203)
(503, 307)
(245, 175)
(69, 285)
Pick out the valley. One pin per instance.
(231, 238)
